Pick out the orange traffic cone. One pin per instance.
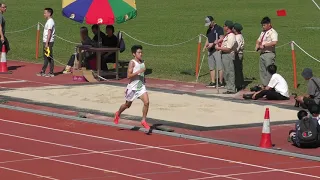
(3, 61)
(265, 141)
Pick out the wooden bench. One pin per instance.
(123, 64)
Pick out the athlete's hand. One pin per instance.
(142, 70)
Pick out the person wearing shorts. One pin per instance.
(214, 56)
(136, 87)
(313, 96)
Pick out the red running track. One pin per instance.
(35, 146)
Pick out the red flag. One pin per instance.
(281, 12)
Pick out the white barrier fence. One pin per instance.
(199, 37)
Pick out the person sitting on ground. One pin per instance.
(313, 96)
(307, 129)
(277, 88)
(85, 40)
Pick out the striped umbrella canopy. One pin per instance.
(106, 12)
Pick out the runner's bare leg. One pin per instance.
(145, 109)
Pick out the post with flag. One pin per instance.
(265, 141)
(281, 12)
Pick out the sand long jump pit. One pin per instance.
(178, 108)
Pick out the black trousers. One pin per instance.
(6, 44)
(238, 71)
(48, 60)
(271, 95)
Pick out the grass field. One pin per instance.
(169, 22)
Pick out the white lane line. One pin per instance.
(155, 147)
(115, 155)
(87, 153)
(24, 172)
(10, 82)
(254, 172)
(75, 164)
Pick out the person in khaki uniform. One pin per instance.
(238, 62)
(266, 45)
(227, 49)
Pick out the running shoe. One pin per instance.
(145, 125)
(116, 118)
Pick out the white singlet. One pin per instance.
(136, 86)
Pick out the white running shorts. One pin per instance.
(131, 95)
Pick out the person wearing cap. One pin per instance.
(238, 62)
(214, 56)
(265, 44)
(313, 96)
(228, 49)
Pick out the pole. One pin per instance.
(294, 66)
(217, 71)
(37, 40)
(198, 56)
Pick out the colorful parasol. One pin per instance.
(106, 12)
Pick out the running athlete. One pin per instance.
(136, 87)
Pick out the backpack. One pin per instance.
(308, 132)
(121, 43)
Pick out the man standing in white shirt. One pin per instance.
(266, 44)
(238, 62)
(48, 41)
(277, 88)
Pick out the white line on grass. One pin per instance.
(164, 149)
(316, 4)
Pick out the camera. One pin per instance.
(297, 104)
(255, 89)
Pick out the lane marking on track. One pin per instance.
(10, 82)
(87, 153)
(115, 155)
(24, 172)
(155, 147)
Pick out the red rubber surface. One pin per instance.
(34, 146)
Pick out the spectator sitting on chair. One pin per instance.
(85, 40)
(111, 41)
(94, 29)
(313, 96)
(277, 88)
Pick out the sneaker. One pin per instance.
(221, 84)
(212, 84)
(50, 75)
(116, 118)
(145, 125)
(66, 71)
(41, 74)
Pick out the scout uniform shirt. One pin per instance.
(240, 43)
(267, 37)
(229, 41)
